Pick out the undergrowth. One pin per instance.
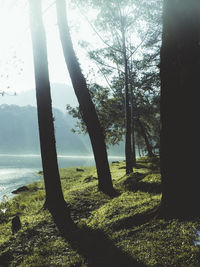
(110, 231)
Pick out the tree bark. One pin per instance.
(86, 105)
(180, 83)
(133, 129)
(128, 148)
(54, 195)
(139, 152)
(146, 140)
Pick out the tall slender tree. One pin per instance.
(87, 107)
(114, 21)
(131, 81)
(128, 146)
(180, 82)
(54, 196)
(117, 26)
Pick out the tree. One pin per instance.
(113, 22)
(119, 26)
(180, 81)
(110, 114)
(87, 107)
(55, 202)
(118, 20)
(147, 120)
(128, 147)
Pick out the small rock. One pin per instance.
(79, 170)
(20, 189)
(89, 179)
(16, 224)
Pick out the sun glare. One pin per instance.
(13, 45)
(16, 59)
(13, 22)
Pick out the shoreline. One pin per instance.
(59, 156)
(28, 178)
(21, 170)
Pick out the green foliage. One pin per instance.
(109, 113)
(140, 22)
(120, 230)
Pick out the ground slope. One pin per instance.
(110, 231)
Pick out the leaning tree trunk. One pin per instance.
(180, 84)
(87, 108)
(54, 195)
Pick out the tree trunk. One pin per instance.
(146, 140)
(54, 195)
(133, 129)
(86, 105)
(128, 148)
(180, 83)
(139, 151)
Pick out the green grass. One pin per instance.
(110, 231)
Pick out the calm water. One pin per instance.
(18, 170)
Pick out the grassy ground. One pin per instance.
(120, 231)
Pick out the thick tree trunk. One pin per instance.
(128, 148)
(54, 195)
(87, 108)
(180, 84)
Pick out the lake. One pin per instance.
(18, 170)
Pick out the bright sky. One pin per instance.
(16, 61)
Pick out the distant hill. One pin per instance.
(19, 132)
(61, 96)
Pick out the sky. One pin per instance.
(16, 60)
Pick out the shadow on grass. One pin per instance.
(5, 259)
(151, 164)
(153, 188)
(136, 220)
(135, 177)
(122, 168)
(134, 183)
(94, 246)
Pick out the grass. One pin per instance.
(120, 231)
